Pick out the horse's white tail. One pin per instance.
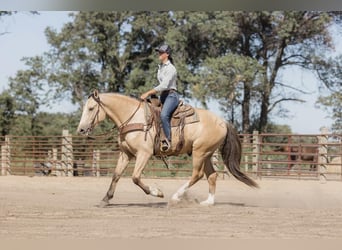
(231, 154)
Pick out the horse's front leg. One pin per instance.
(120, 167)
(141, 161)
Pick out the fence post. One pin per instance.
(245, 142)
(255, 155)
(53, 159)
(67, 155)
(96, 163)
(323, 153)
(3, 160)
(5, 157)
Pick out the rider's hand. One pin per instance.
(144, 96)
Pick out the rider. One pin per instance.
(167, 75)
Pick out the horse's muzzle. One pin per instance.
(83, 131)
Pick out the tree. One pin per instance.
(110, 51)
(7, 110)
(295, 39)
(27, 89)
(229, 79)
(236, 58)
(46, 124)
(331, 74)
(276, 41)
(333, 104)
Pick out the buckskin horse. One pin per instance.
(201, 139)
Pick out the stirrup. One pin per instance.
(165, 146)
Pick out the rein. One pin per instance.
(129, 119)
(125, 123)
(103, 134)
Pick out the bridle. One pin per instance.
(96, 117)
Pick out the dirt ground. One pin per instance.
(66, 207)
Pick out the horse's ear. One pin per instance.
(96, 93)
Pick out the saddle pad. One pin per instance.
(192, 117)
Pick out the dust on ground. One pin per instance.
(66, 207)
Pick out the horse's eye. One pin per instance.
(91, 109)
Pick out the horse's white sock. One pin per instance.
(154, 191)
(210, 200)
(180, 192)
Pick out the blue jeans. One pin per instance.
(170, 102)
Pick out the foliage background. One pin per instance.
(233, 57)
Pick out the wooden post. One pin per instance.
(3, 160)
(6, 157)
(269, 166)
(323, 153)
(67, 155)
(256, 150)
(245, 142)
(96, 163)
(54, 165)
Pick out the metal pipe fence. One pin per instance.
(263, 155)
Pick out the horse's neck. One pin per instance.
(120, 108)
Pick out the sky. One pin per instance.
(25, 38)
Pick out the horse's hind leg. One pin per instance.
(120, 167)
(211, 176)
(197, 174)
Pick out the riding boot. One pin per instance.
(165, 145)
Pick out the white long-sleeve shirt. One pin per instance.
(167, 77)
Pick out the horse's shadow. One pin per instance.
(167, 205)
(234, 204)
(148, 205)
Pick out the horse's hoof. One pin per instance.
(175, 200)
(103, 204)
(156, 192)
(207, 203)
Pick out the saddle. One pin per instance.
(184, 114)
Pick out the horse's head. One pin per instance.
(93, 114)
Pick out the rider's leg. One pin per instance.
(169, 106)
